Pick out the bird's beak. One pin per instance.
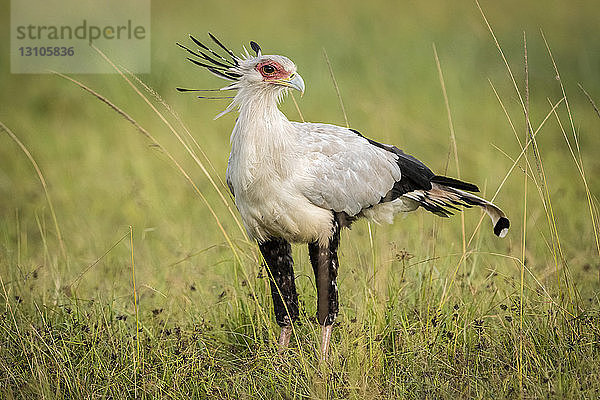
(295, 81)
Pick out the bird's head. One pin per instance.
(249, 74)
(269, 72)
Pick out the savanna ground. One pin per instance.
(430, 308)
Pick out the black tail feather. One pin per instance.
(454, 183)
(501, 227)
(442, 200)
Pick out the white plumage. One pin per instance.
(287, 180)
(303, 182)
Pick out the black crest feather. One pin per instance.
(223, 66)
(233, 57)
(204, 47)
(255, 47)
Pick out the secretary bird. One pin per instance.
(304, 182)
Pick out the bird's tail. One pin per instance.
(447, 194)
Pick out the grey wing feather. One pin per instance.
(344, 172)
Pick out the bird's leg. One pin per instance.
(325, 339)
(324, 261)
(278, 256)
(284, 338)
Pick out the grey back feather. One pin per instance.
(344, 172)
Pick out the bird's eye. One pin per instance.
(268, 69)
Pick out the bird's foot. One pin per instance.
(284, 338)
(325, 339)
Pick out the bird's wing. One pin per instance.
(346, 172)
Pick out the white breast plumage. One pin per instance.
(262, 173)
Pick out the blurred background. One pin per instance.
(103, 176)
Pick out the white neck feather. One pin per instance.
(262, 137)
(260, 121)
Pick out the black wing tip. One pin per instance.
(454, 183)
(501, 227)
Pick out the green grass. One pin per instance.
(419, 317)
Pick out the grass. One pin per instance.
(124, 272)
